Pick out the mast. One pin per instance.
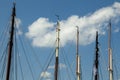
(96, 62)
(57, 50)
(110, 65)
(10, 47)
(77, 57)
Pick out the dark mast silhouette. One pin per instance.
(10, 46)
(96, 62)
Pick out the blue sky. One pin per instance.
(36, 22)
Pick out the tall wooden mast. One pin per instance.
(78, 74)
(110, 67)
(96, 62)
(10, 48)
(57, 50)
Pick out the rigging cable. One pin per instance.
(47, 65)
(15, 52)
(116, 72)
(100, 71)
(32, 50)
(3, 36)
(3, 66)
(65, 57)
(104, 63)
(19, 61)
(34, 53)
(27, 59)
(59, 77)
(114, 60)
(2, 42)
(49, 59)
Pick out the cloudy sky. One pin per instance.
(36, 21)
(88, 25)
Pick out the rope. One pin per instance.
(100, 70)
(20, 67)
(3, 67)
(15, 55)
(34, 53)
(65, 57)
(19, 61)
(3, 37)
(116, 71)
(27, 59)
(47, 65)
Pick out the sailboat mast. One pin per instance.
(57, 50)
(96, 63)
(110, 67)
(77, 56)
(10, 44)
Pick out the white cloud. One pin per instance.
(42, 30)
(46, 75)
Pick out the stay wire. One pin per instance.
(22, 44)
(31, 48)
(15, 54)
(66, 60)
(104, 63)
(50, 57)
(3, 54)
(115, 69)
(34, 53)
(65, 57)
(59, 73)
(67, 67)
(27, 59)
(47, 64)
(4, 51)
(3, 35)
(102, 57)
(100, 71)
(93, 66)
(3, 67)
(19, 61)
